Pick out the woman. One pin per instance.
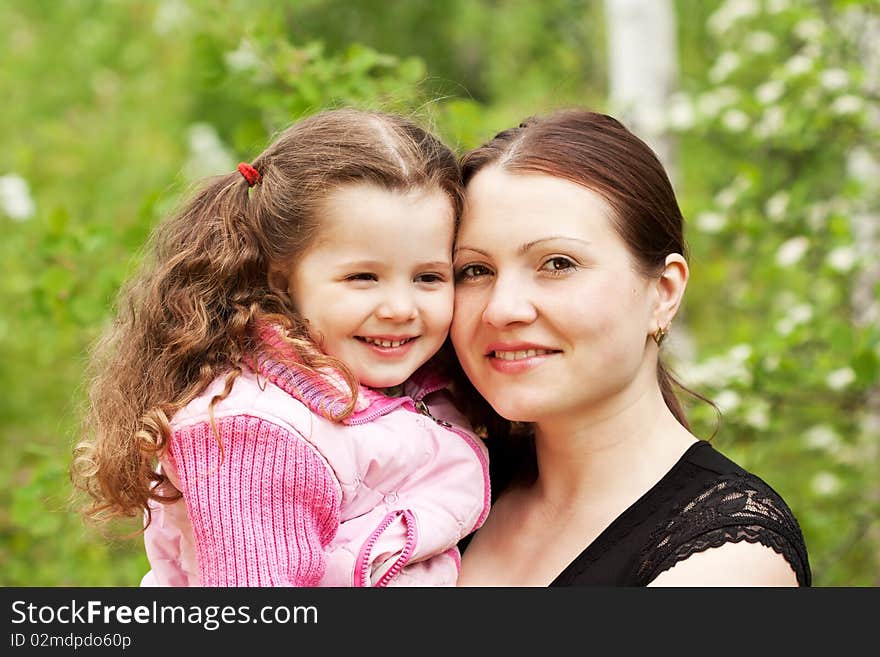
(570, 267)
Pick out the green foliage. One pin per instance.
(114, 108)
(147, 97)
(780, 228)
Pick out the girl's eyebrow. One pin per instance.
(525, 247)
(435, 264)
(376, 264)
(360, 264)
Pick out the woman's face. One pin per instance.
(551, 317)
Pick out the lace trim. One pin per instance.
(734, 509)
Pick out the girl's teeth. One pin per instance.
(519, 355)
(386, 343)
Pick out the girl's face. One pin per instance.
(377, 285)
(550, 318)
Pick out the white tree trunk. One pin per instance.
(643, 67)
(643, 74)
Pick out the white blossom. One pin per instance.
(797, 315)
(770, 92)
(798, 65)
(726, 64)
(842, 258)
(740, 353)
(730, 12)
(817, 214)
(784, 326)
(711, 222)
(170, 15)
(727, 400)
(834, 79)
(862, 165)
(777, 205)
(760, 42)
(681, 114)
(729, 195)
(758, 415)
(721, 370)
(208, 155)
(824, 437)
(847, 104)
(777, 6)
(801, 313)
(791, 251)
(771, 122)
(15, 197)
(735, 120)
(840, 378)
(825, 484)
(712, 102)
(243, 58)
(809, 29)
(726, 197)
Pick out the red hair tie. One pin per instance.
(250, 174)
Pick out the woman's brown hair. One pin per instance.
(191, 314)
(597, 152)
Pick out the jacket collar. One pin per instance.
(326, 392)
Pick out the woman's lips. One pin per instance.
(513, 358)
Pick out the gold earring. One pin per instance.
(660, 334)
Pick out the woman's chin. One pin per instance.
(516, 411)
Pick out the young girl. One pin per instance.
(277, 358)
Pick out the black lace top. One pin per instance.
(704, 501)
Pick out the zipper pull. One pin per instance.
(422, 408)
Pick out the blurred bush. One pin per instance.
(114, 108)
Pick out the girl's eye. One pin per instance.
(471, 272)
(558, 264)
(430, 278)
(363, 276)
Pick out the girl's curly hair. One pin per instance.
(192, 312)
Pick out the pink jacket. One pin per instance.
(298, 500)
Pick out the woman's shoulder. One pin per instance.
(714, 502)
(731, 491)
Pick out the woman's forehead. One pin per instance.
(532, 206)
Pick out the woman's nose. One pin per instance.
(508, 304)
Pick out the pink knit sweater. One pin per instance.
(298, 500)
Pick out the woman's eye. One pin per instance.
(470, 272)
(363, 276)
(558, 264)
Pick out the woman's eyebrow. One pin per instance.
(469, 248)
(528, 245)
(524, 247)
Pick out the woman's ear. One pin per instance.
(670, 287)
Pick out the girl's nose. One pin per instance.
(398, 306)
